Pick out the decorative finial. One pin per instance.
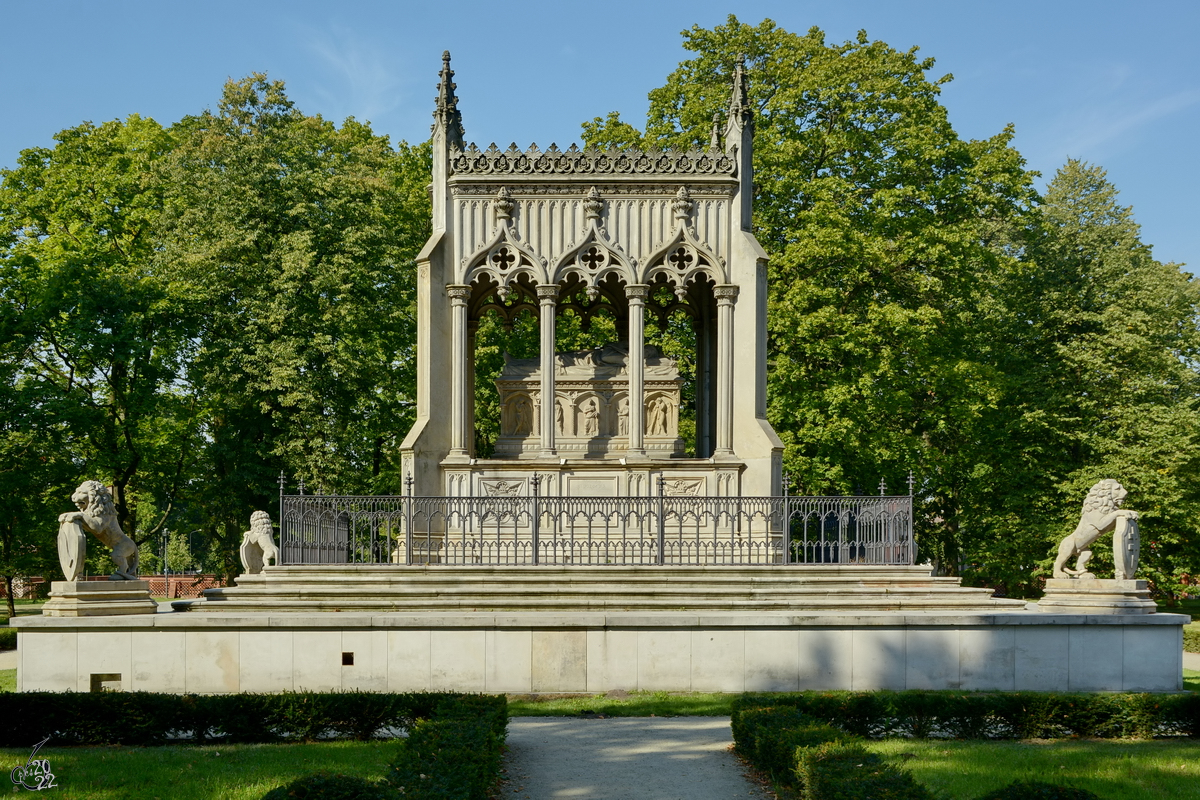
(882, 487)
(714, 137)
(682, 205)
(447, 114)
(739, 102)
(593, 205)
(912, 482)
(503, 203)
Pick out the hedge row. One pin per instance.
(454, 753)
(1191, 638)
(1001, 715)
(146, 718)
(8, 638)
(822, 762)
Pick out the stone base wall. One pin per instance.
(523, 652)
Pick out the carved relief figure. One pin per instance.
(623, 417)
(522, 416)
(258, 544)
(591, 417)
(1102, 512)
(560, 421)
(657, 417)
(97, 516)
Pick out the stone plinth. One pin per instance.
(600, 651)
(1096, 596)
(99, 599)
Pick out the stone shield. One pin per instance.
(72, 548)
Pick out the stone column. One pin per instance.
(726, 295)
(472, 329)
(636, 368)
(547, 302)
(459, 380)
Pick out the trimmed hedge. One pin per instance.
(1000, 715)
(1036, 790)
(8, 637)
(819, 760)
(326, 786)
(1191, 638)
(840, 771)
(454, 753)
(147, 718)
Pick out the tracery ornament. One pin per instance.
(595, 255)
(591, 161)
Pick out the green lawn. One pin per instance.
(1114, 770)
(8, 680)
(233, 772)
(623, 704)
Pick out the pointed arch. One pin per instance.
(593, 259)
(503, 259)
(681, 258)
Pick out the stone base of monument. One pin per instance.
(550, 652)
(1095, 596)
(99, 599)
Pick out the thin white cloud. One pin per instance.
(1105, 126)
(359, 80)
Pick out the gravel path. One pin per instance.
(650, 758)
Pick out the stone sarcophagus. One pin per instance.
(591, 413)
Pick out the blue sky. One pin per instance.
(1115, 84)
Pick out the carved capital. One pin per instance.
(458, 293)
(637, 291)
(725, 293)
(547, 292)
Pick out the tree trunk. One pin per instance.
(8, 596)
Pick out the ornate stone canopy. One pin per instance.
(613, 232)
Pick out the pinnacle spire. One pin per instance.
(739, 102)
(446, 113)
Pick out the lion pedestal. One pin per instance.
(1095, 596)
(99, 599)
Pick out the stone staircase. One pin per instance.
(384, 588)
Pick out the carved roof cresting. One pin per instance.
(573, 161)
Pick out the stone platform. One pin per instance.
(384, 588)
(1096, 596)
(524, 651)
(99, 599)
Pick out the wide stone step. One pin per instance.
(476, 588)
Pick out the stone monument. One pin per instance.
(122, 593)
(1077, 589)
(619, 233)
(258, 544)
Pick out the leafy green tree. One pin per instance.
(95, 339)
(879, 220)
(297, 238)
(1103, 384)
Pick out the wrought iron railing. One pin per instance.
(596, 531)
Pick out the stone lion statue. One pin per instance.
(1102, 513)
(97, 516)
(258, 544)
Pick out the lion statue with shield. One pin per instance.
(97, 516)
(1102, 513)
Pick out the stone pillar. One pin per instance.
(726, 295)
(459, 380)
(547, 302)
(637, 294)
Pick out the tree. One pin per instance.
(298, 239)
(1104, 385)
(879, 221)
(95, 338)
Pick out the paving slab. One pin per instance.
(649, 758)
(1191, 661)
(8, 659)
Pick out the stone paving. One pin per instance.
(649, 758)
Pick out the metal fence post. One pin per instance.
(536, 482)
(662, 521)
(408, 520)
